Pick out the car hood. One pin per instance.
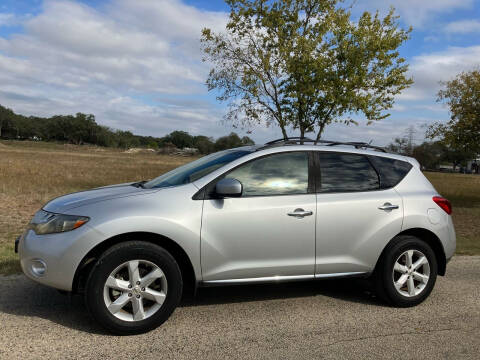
(82, 198)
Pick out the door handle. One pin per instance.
(388, 207)
(300, 213)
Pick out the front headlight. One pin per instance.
(45, 222)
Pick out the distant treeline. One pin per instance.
(83, 129)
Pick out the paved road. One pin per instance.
(328, 319)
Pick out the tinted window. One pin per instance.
(391, 171)
(347, 172)
(279, 174)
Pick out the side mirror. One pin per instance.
(229, 188)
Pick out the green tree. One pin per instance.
(181, 139)
(305, 64)
(247, 141)
(457, 156)
(152, 144)
(232, 141)
(462, 132)
(431, 154)
(126, 139)
(104, 136)
(404, 145)
(23, 127)
(400, 146)
(6, 119)
(204, 144)
(83, 129)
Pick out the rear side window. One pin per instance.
(346, 172)
(391, 171)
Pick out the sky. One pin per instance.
(136, 65)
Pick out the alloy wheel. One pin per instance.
(135, 290)
(411, 273)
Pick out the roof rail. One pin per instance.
(301, 140)
(289, 140)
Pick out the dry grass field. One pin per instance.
(31, 173)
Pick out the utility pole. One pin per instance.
(410, 136)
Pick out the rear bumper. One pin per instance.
(451, 244)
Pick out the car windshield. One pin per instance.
(196, 169)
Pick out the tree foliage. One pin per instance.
(232, 141)
(83, 129)
(400, 145)
(305, 64)
(430, 155)
(462, 131)
(405, 144)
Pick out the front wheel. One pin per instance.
(133, 288)
(407, 271)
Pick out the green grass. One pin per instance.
(468, 245)
(9, 262)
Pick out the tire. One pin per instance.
(388, 272)
(124, 306)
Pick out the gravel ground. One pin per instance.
(325, 319)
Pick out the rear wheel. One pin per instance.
(134, 287)
(407, 271)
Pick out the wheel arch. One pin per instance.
(431, 239)
(178, 253)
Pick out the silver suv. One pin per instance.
(288, 210)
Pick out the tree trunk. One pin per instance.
(320, 131)
(284, 132)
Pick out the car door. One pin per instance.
(267, 232)
(356, 218)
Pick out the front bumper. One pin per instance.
(60, 254)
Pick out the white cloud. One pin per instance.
(7, 19)
(434, 107)
(10, 19)
(399, 107)
(428, 70)
(463, 27)
(75, 41)
(72, 57)
(379, 133)
(417, 13)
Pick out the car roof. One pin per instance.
(354, 148)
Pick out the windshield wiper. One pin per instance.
(139, 184)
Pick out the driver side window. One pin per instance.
(278, 174)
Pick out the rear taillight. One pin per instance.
(443, 203)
